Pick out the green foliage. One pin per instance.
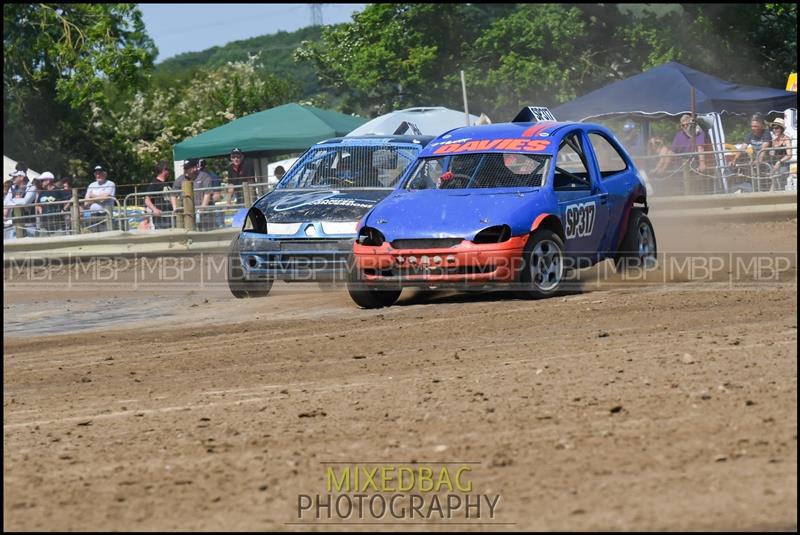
(78, 91)
(397, 55)
(276, 59)
(531, 56)
(58, 61)
(158, 119)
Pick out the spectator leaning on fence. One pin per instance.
(240, 169)
(158, 198)
(21, 193)
(657, 146)
(781, 153)
(203, 196)
(51, 204)
(100, 193)
(177, 187)
(758, 137)
(682, 142)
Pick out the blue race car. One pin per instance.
(515, 203)
(304, 229)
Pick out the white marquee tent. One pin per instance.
(9, 166)
(431, 121)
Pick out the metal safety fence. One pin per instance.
(724, 171)
(142, 211)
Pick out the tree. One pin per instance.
(59, 61)
(395, 55)
(156, 119)
(533, 56)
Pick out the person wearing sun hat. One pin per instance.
(780, 153)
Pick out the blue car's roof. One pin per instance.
(541, 137)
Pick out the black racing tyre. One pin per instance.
(542, 265)
(370, 297)
(239, 287)
(638, 249)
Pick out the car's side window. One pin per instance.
(609, 160)
(571, 171)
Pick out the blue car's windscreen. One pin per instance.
(483, 170)
(350, 166)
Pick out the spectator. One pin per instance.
(781, 153)
(240, 169)
(215, 180)
(99, 198)
(20, 193)
(658, 147)
(632, 140)
(158, 199)
(683, 140)
(100, 193)
(279, 172)
(202, 199)
(177, 186)
(216, 196)
(756, 139)
(51, 205)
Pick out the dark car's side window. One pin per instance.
(609, 160)
(571, 172)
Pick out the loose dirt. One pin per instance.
(668, 403)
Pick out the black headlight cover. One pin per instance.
(255, 221)
(370, 236)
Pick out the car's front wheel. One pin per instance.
(542, 265)
(370, 297)
(240, 287)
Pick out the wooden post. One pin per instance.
(19, 229)
(188, 204)
(75, 212)
(247, 189)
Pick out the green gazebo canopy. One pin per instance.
(284, 129)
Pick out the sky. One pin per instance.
(178, 28)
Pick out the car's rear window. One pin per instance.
(479, 171)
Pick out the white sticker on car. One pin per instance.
(579, 219)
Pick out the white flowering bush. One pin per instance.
(158, 119)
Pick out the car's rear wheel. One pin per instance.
(639, 248)
(238, 285)
(369, 296)
(543, 265)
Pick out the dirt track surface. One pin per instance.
(625, 406)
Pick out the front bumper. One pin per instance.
(298, 260)
(464, 264)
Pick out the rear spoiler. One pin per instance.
(534, 114)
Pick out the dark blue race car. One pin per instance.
(513, 203)
(304, 229)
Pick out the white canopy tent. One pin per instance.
(431, 121)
